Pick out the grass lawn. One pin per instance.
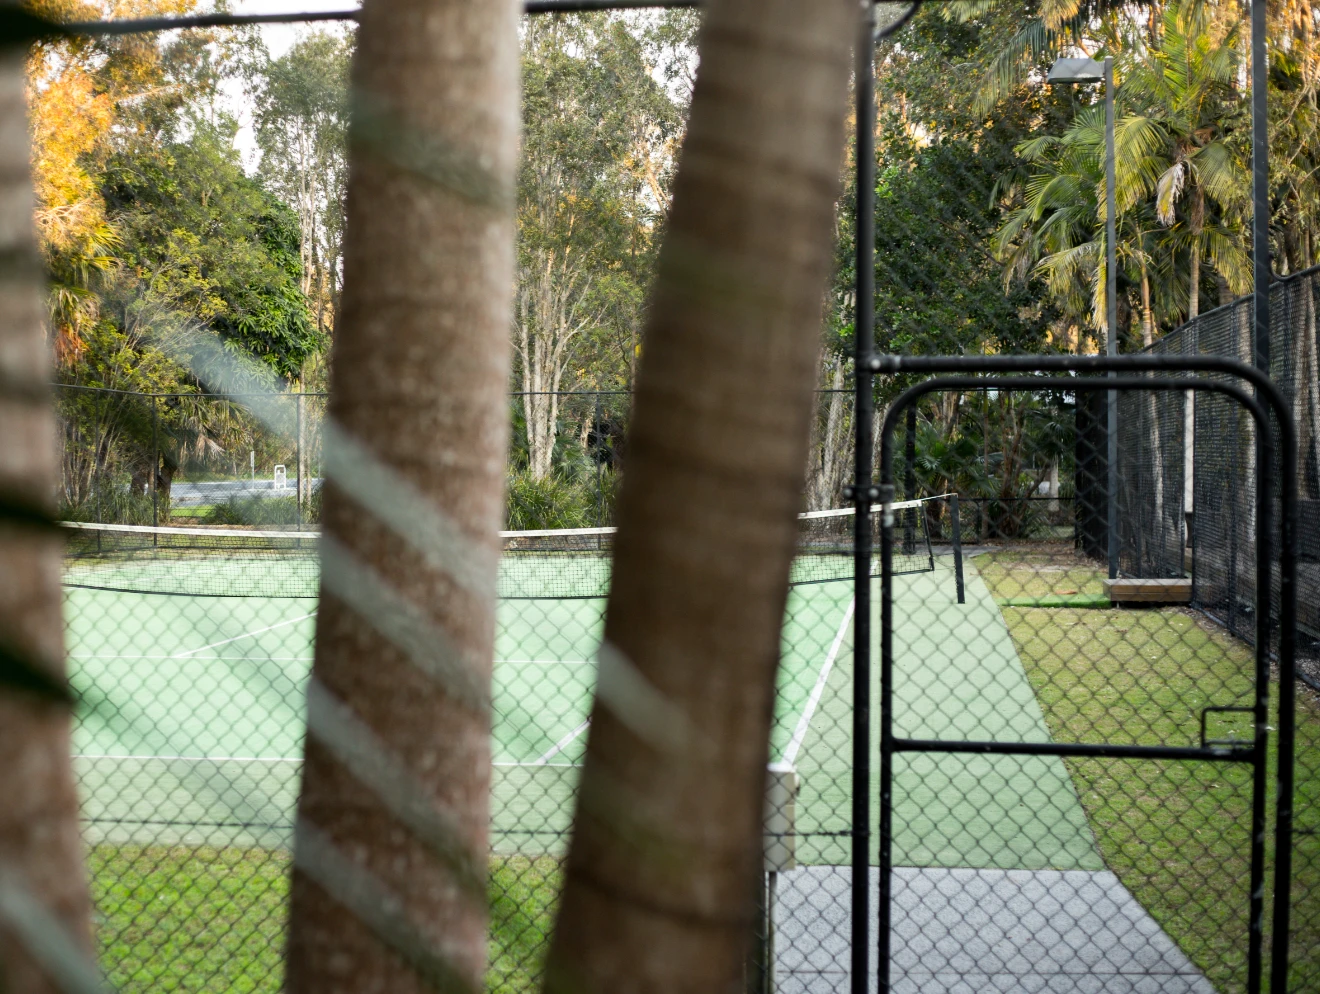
(1176, 833)
(208, 919)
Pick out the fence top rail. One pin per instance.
(197, 394)
(28, 27)
(1039, 365)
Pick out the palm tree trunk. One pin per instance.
(1147, 312)
(40, 845)
(667, 839)
(390, 850)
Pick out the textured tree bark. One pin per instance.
(40, 846)
(390, 856)
(667, 839)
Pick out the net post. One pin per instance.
(779, 853)
(956, 528)
(597, 458)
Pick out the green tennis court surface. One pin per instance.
(192, 719)
(192, 723)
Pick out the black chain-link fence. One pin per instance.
(190, 646)
(1188, 501)
(1074, 767)
(1058, 862)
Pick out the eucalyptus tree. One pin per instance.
(666, 844)
(301, 129)
(44, 904)
(591, 189)
(390, 850)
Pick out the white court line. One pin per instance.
(561, 745)
(308, 659)
(245, 635)
(549, 662)
(196, 759)
(276, 659)
(800, 733)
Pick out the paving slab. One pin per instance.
(960, 930)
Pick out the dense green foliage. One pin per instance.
(206, 243)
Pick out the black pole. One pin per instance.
(1260, 191)
(1265, 459)
(96, 463)
(863, 344)
(955, 527)
(910, 479)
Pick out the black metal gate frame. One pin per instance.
(1127, 373)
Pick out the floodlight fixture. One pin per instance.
(1076, 71)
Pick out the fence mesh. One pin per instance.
(191, 643)
(1012, 872)
(1187, 472)
(1010, 862)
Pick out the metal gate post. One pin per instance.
(863, 346)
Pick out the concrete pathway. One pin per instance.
(969, 931)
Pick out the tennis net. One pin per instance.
(558, 564)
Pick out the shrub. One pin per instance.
(552, 502)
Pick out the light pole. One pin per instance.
(1070, 71)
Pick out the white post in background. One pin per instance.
(252, 463)
(780, 846)
(1189, 462)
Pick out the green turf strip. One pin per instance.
(957, 676)
(213, 919)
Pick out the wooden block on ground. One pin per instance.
(1128, 589)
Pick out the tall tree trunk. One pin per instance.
(41, 868)
(1147, 312)
(390, 849)
(829, 453)
(1194, 279)
(667, 839)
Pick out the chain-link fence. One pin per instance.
(1074, 768)
(1103, 841)
(1187, 475)
(190, 647)
(254, 460)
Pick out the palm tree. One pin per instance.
(1180, 148)
(667, 838)
(390, 849)
(40, 844)
(1181, 184)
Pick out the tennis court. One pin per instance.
(192, 724)
(192, 720)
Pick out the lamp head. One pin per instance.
(1076, 71)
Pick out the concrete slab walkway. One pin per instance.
(970, 931)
